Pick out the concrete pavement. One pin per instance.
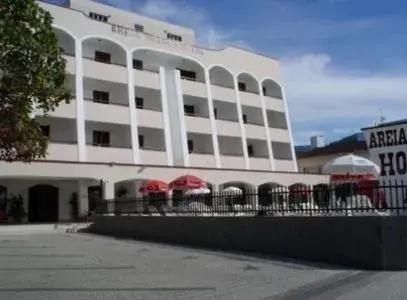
(79, 266)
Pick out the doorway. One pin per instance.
(43, 204)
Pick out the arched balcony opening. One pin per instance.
(66, 42)
(272, 89)
(247, 83)
(238, 193)
(272, 194)
(219, 76)
(103, 50)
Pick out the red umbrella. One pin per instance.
(187, 182)
(151, 186)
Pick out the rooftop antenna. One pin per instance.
(382, 117)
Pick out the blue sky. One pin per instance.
(343, 60)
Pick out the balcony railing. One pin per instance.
(104, 62)
(153, 148)
(150, 108)
(106, 103)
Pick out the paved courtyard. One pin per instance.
(79, 266)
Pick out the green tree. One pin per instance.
(32, 76)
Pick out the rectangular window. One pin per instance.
(102, 57)
(250, 150)
(174, 37)
(244, 117)
(264, 91)
(141, 141)
(242, 86)
(188, 75)
(215, 113)
(138, 27)
(45, 130)
(101, 97)
(101, 138)
(190, 146)
(189, 109)
(139, 102)
(137, 64)
(98, 17)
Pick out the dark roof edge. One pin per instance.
(395, 123)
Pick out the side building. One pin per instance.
(148, 103)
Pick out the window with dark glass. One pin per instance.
(190, 146)
(98, 17)
(138, 27)
(188, 75)
(141, 141)
(244, 117)
(189, 109)
(264, 90)
(250, 150)
(137, 64)
(101, 138)
(242, 86)
(215, 113)
(174, 37)
(101, 97)
(45, 130)
(139, 102)
(103, 57)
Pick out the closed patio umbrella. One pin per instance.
(154, 186)
(187, 182)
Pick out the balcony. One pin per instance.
(107, 113)
(255, 131)
(225, 94)
(258, 163)
(280, 135)
(198, 124)
(147, 79)
(104, 71)
(153, 156)
(193, 88)
(284, 165)
(64, 110)
(109, 154)
(202, 160)
(233, 162)
(150, 118)
(228, 128)
(62, 151)
(250, 99)
(273, 103)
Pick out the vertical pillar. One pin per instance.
(166, 117)
(214, 130)
(242, 128)
(287, 117)
(83, 200)
(266, 127)
(108, 195)
(181, 117)
(80, 107)
(132, 106)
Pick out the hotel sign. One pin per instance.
(387, 148)
(156, 39)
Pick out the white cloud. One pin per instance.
(316, 92)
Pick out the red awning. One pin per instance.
(187, 182)
(151, 186)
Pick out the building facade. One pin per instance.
(150, 104)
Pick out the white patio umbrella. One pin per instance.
(232, 190)
(201, 191)
(350, 164)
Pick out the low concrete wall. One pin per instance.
(362, 242)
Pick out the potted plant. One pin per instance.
(16, 208)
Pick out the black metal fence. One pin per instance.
(367, 198)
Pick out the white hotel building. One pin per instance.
(147, 103)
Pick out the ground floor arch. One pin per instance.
(271, 193)
(43, 204)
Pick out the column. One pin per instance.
(83, 200)
(266, 127)
(80, 107)
(242, 129)
(108, 195)
(213, 120)
(132, 106)
(166, 117)
(287, 116)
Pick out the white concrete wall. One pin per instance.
(202, 143)
(153, 138)
(152, 98)
(226, 111)
(254, 115)
(230, 146)
(259, 148)
(117, 92)
(119, 135)
(61, 130)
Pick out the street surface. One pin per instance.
(79, 266)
